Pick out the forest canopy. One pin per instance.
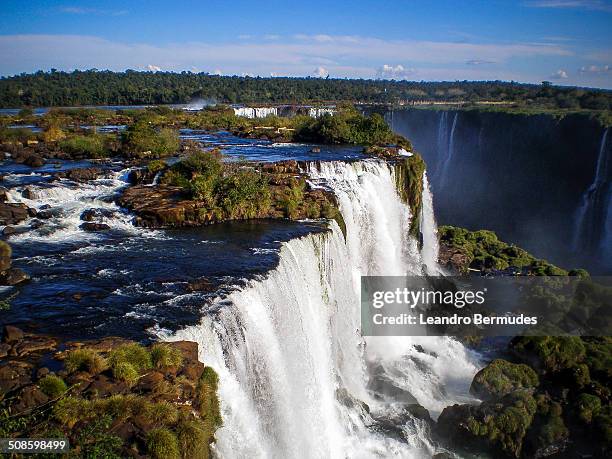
(93, 87)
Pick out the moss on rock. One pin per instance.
(501, 377)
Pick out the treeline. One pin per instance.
(93, 87)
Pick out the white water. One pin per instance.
(584, 231)
(255, 112)
(293, 366)
(67, 200)
(429, 230)
(318, 112)
(444, 168)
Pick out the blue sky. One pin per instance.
(566, 41)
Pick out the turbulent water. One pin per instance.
(297, 378)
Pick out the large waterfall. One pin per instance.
(297, 378)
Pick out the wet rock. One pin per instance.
(4, 350)
(11, 214)
(12, 334)
(34, 161)
(200, 285)
(36, 224)
(90, 215)
(90, 226)
(29, 193)
(32, 212)
(14, 374)
(13, 276)
(42, 372)
(29, 397)
(81, 175)
(34, 344)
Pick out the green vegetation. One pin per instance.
(85, 359)
(163, 444)
(501, 377)
(87, 146)
(409, 183)
(142, 140)
(163, 355)
(232, 192)
(550, 353)
(52, 386)
(92, 87)
(483, 251)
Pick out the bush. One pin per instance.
(193, 435)
(162, 444)
(550, 353)
(141, 139)
(501, 377)
(53, 134)
(587, 407)
(90, 146)
(207, 399)
(125, 371)
(163, 413)
(70, 410)
(156, 166)
(85, 360)
(52, 386)
(165, 355)
(136, 355)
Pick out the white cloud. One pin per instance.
(79, 10)
(597, 5)
(594, 69)
(479, 62)
(559, 75)
(397, 72)
(271, 36)
(153, 68)
(343, 56)
(320, 72)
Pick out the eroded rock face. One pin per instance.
(454, 259)
(12, 214)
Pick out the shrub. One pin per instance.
(85, 360)
(208, 401)
(587, 406)
(90, 146)
(156, 166)
(193, 435)
(52, 386)
(165, 355)
(141, 139)
(70, 410)
(136, 355)
(163, 413)
(54, 134)
(125, 371)
(550, 353)
(162, 444)
(501, 377)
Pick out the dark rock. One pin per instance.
(89, 226)
(81, 175)
(13, 276)
(34, 161)
(34, 344)
(150, 382)
(103, 386)
(42, 372)
(200, 285)
(29, 193)
(11, 214)
(4, 349)
(36, 224)
(29, 397)
(14, 374)
(12, 334)
(32, 212)
(90, 215)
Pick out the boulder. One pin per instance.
(34, 161)
(501, 377)
(13, 276)
(200, 285)
(90, 215)
(29, 397)
(29, 193)
(80, 175)
(11, 214)
(90, 226)
(14, 374)
(12, 334)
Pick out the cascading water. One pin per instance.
(592, 224)
(429, 230)
(444, 168)
(256, 112)
(297, 378)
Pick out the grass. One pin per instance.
(52, 386)
(162, 444)
(85, 360)
(164, 355)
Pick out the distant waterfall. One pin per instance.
(450, 150)
(592, 227)
(295, 372)
(429, 230)
(256, 112)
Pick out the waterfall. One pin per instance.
(449, 153)
(257, 112)
(297, 379)
(318, 112)
(429, 230)
(591, 231)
